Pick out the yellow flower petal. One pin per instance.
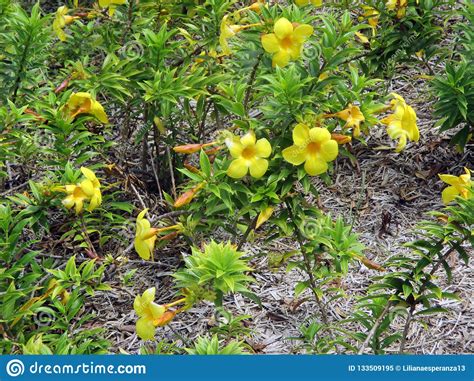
(449, 194)
(450, 179)
(301, 134)
(98, 111)
(145, 329)
(258, 167)
(238, 168)
(329, 150)
(270, 43)
(302, 32)
(263, 148)
(142, 248)
(248, 139)
(281, 59)
(315, 166)
(283, 28)
(318, 134)
(235, 147)
(401, 143)
(294, 155)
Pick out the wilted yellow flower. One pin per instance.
(86, 190)
(316, 3)
(352, 116)
(83, 103)
(149, 314)
(399, 5)
(249, 155)
(314, 147)
(372, 16)
(458, 186)
(286, 42)
(145, 236)
(402, 123)
(61, 20)
(341, 139)
(111, 4)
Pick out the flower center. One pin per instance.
(249, 153)
(313, 147)
(287, 42)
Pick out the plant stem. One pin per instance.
(309, 271)
(252, 77)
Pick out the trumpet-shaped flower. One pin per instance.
(249, 155)
(314, 147)
(145, 236)
(458, 186)
(286, 41)
(83, 103)
(399, 5)
(402, 123)
(91, 188)
(353, 118)
(111, 4)
(229, 30)
(61, 20)
(316, 3)
(86, 190)
(149, 312)
(75, 197)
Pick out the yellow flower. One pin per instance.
(372, 16)
(111, 4)
(286, 42)
(249, 154)
(402, 123)
(91, 188)
(458, 186)
(353, 118)
(145, 236)
(86, 190)
(75, 197)
(228, 30)
(314, 147)
(61, 20)
(149, 312)
(83, 103)
(316, 3)
(399, 5)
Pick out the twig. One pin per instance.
(406, 328)
(309, 271)
(170, 163)
(252, 77)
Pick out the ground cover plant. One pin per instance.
(225, 177)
